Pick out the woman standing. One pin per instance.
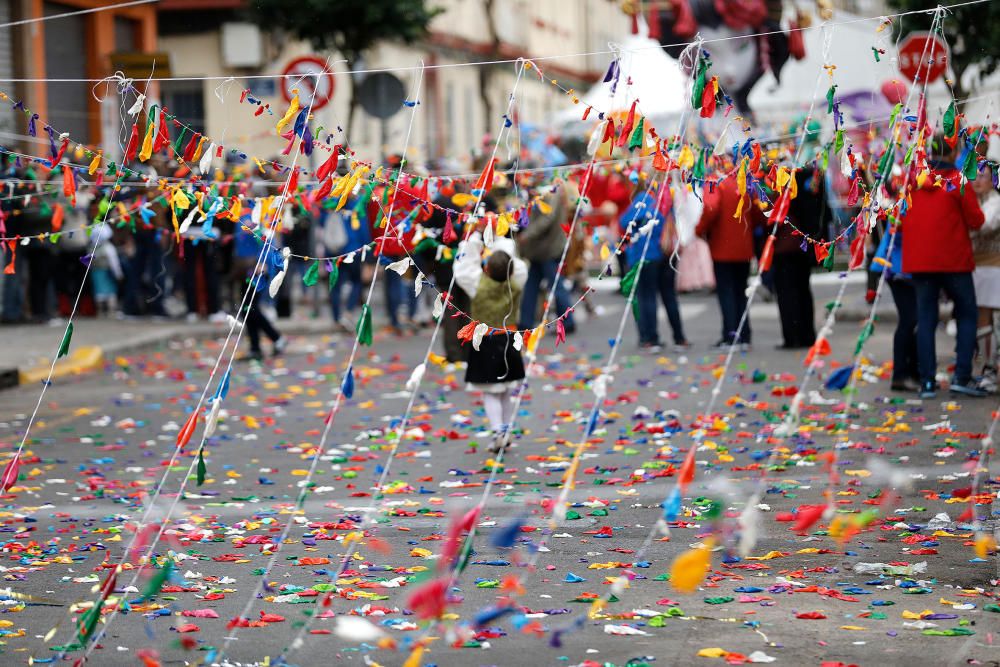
(986, 252)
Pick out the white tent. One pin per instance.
(657, 82)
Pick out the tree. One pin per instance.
(351, 28)
(486, 71)
(972, 33)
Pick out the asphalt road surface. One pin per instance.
(908, 589)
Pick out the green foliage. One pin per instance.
(349, 27)
(972, 32)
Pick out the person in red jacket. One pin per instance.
(730, 241)
(408, 201)
(937, 251)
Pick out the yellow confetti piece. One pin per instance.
(712, 653)
(770, 555)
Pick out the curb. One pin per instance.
(87, 358)
(91, 357)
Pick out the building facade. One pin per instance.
(460, 105)
(72, 50)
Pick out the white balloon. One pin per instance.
(357, 629)
(206, 159)
(276, 283)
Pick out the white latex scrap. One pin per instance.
(415, 377)
(477, 335)
(399, 267)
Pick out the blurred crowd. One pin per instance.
(659, 239)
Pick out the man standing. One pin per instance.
(937, 251)
(541, 244)
(730, 240)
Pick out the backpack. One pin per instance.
(334, 234)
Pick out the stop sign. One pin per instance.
(922, 54)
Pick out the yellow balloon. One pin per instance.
(688, 570)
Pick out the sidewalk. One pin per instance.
(26, 355)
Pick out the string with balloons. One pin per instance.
(363, 337)
(413, 385)
(87, 636)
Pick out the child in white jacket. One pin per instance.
(493, 279)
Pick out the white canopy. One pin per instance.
(657, 82)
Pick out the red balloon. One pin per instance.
(894, 91)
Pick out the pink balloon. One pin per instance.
(894, 91)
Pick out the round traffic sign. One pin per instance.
(923, 54)
(310, 75)
(382, 95)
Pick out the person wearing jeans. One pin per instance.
(655, 277)
(905, 360)
(349, 275)
(937, 251)
(399, 295)
(731, 289)
(256, 322)
(541, 243)
(543, 272)
(656, 281)
(905, 368)
(961, 290)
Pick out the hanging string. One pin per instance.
(481, 63)
(331, 417)
(246, 303)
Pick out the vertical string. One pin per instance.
(305, 484)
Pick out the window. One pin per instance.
(125, 34)
(7, 120)
(186, 101)
(66, 58)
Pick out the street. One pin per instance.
(800, 598)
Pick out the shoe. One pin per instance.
(682, 347)
(989, 380)
(905, 385)
(218, 317)
(190, 318)
(722, 345)
(968, 388)
(928, 390)
(653, 348)
(252, 356)
(280, 345)
(500, 442)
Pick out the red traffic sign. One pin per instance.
(310, 75)
(922, 54)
